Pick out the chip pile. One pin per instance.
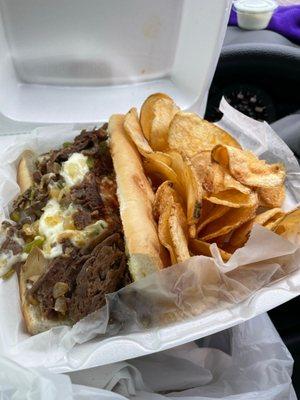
(207, 188)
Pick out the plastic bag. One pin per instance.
(245, 362)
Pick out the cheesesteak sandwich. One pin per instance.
(65, 236)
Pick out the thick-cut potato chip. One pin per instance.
(172, 230)
(233, 198)
(165, 195)
(166, 173)
(271, 197)
(164, 233)
(201, 163)
(189, 134)
(160, 156)
(218, 179)
(269, 217)
(228, 222)
(240, 236)
(133, 129)
(178, 232)
(156, 114)
(289, 225)
(198, 247)
(221, 241)
(247, 168)
(210, 212)
(189, 185)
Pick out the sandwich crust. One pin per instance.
(34, 320)
(136, 197)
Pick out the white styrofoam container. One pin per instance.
(80, 61)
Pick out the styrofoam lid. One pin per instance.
(255, 7)
(76, 61)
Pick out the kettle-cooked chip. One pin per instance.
(156, 114)
(271, 197)
(228, 222)
(189, 134)
(178, 232)
(190, 186)
(198, 247)
(159, 155)
(133, 129)
(289, 225)
(165, 195)
(155, 165)
(240, 235)
(247, 168)
(233, 198)
(172, 230)
(218, 179)
(269, 217)
(164, 233)
(201, 163)
(210, 212)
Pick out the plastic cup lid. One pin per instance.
(255, 6)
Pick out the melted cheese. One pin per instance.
(7, 258)
(54, 226)
(74, 169)
(51, 221)
(51, 224)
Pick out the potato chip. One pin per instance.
(240, 235)
(228, 222)
(159, 155)
(201, 163)
(189, 134)
(210, 213)
(133, 129)
(269, 216)
(221, 241)
(165, 195)
(218, 179)
(247, 168)
(164, 233)
(166, 173)
(198, 247)
(156, 114)
(233, 198)
(271, 197)
(192, 191)
(178, 232)
(172, 230)
(289, 225)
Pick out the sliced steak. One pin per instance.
(65, 269)
(82, 219)
(12, 245)
(86, 194)
(29, 204)
(102, 273)
(87, 142)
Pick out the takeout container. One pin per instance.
(73, 62)
(77, 61)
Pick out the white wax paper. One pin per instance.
(166, 309)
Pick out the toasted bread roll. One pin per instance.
(136, 197)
